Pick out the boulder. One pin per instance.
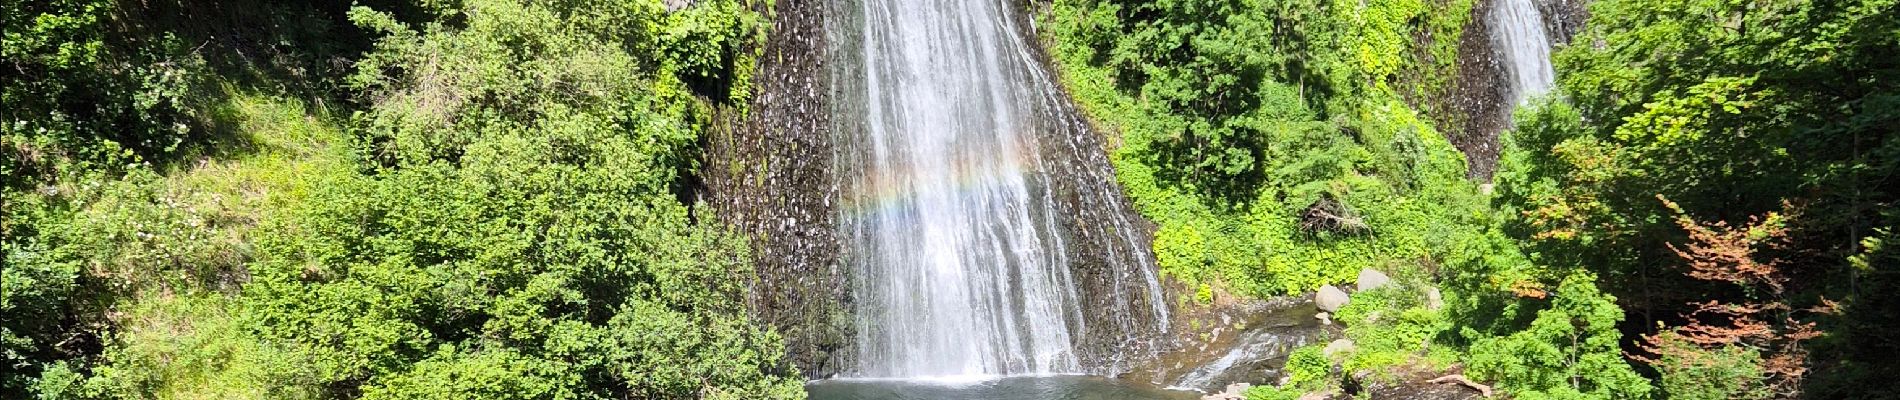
(1330, 299)
(1372, 279)
(1238, 388)
(1434, 299)
(1236, 391)
(1337, 347)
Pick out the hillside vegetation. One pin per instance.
(472, 199)
(451, 199)
(1700, 211)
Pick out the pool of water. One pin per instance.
(1062, 387)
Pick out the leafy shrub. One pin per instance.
(490, 374)
(1689, 372)
(517, 235)
(1220, 81)
(85, 244)
(1308, 368)
(1729, 110)
(1264, 392)
(1392, 326)
(1233, 116)
(500, 221)
(1569, 351)
(198, 345)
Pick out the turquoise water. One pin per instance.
(1061, 387)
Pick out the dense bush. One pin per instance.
(518, 238)
(79, 96)
(499, 217)
(1239, 121)
(1731, 111)
(1223, 83)
(1689, 372)
(1569, 351)
(1270, 143)
(83, 107)
(1234, 118)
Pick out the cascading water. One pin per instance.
(1519, 32)
(958, 221)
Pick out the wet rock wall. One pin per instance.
(768, 174)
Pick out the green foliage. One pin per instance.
(37, 297)
(1221, 83)
(1237, 120)
(380, 274)
(1863, 325)
(1689, 372)
(1307, 367)
(1569, 351)
(105, 100)
(193, 347)
(518, 237)
(501, 222)
(1233, 116)
(1391, 327)
(59, 382)
(93, 241)
(81, 97)
(1728, 109)
(492, 374)
(1264, 392)
(89, 241)
(1759, 115)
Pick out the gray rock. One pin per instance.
(1341, 346)
(1330, 299)
(1324, 318)
(1434, 299)
(1372, 279)
(1236, 391)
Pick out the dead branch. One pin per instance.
(1462, 380)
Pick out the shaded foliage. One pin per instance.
(1761, 323)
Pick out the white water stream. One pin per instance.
(952, 222)
(1518, 28)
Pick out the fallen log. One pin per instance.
(1460, 379)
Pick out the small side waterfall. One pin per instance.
(1518, 28)
(959, 222)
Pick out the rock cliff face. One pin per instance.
(1107, 235)
(773, 174)
(1480, 98)
(769, 175)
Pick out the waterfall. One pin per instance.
(1519, 33)
(968, 184)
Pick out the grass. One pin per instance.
(188, 342)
